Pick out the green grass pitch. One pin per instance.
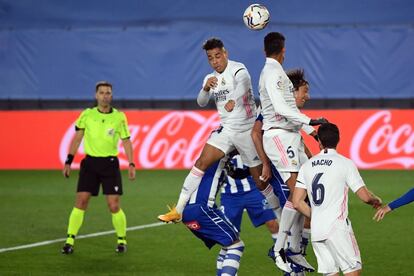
(34, 207)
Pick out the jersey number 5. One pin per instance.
(290, 152)
(318, 190)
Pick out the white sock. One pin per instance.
(289, 215)
(272, 200)
(278, 213)
(274, 237)
(191, 183)
(231, 261)
(296, 233)
(305, 240)
(220, 259)
(306, 233)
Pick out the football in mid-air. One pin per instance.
(256, 17)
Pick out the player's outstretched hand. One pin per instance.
(379, 215)
(318, 121)
(66, 170)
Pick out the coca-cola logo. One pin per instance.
(383, 142)
(174, 141)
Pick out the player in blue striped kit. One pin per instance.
(239, 192)
(209, 224)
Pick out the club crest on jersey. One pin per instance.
(193, 225)
(223, 82)
(279, 84)
(265, 204)
(111, 132)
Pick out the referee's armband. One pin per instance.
(69, 159)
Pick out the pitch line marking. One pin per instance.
(139, 227)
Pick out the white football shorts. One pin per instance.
(339, 252)
(285, 149)
(226, 141)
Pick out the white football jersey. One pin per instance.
(279, 108)
(233, 84)
(327, 177)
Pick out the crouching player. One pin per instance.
(239, 192)
(209, 224)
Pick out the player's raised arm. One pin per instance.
(204, 95)
(279, 104)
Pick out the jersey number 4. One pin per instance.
(318, 190)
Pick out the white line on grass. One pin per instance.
(139, 227)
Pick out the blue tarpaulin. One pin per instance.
(152, 49)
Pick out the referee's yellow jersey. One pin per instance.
(102, 131)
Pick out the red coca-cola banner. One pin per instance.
(373, 139)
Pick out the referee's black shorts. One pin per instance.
(97, 170)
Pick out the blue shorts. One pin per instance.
(210, 225)
(254, 202)
(279, 187)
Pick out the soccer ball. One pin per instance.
(256, 17)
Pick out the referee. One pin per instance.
(102, 126)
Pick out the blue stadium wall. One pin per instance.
(152, 49)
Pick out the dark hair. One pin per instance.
(274, 43)
(328, 135)
(297, 77)
(213, 43)
(102, 83)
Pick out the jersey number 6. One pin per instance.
(318, 190)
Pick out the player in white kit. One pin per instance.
(282, 141)
(326, 178)
(230, 86)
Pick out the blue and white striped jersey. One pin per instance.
(207, 190)
(234, 186)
